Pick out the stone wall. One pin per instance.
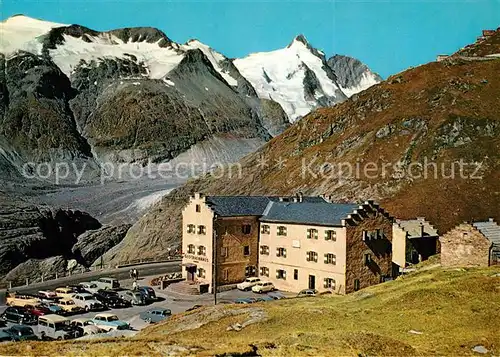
(379, 249)
(230, 237)
(464, 246)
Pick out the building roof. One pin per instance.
(313, 213)
(232, 206)
(413, 227)
(490, 229)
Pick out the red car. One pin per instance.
(38, 310)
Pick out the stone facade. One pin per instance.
(465, 246)
(368, 259)
(237, 248)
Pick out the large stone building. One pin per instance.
(413, 241)
(295, 242)
(471, 244)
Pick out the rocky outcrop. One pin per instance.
(352, 75)
(93, 244)
(31, 232)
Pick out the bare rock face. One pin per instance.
(93, 244)
(31, 232)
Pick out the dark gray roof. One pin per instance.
(319, 213)
(490, 230)
(231, 206)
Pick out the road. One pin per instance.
(155, 269)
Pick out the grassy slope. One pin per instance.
(455, 309)
(442, 111)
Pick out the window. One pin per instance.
(281, 252)
(201, 273)
(330, 259)
(368, 258)
(356, 284)
(281, 230)
(264, 271)
(202, 230)
(191, 249)
(198, 208)
(202, 250)
(246, 250)
(265, 229)
(331, 235)
(246, 229)
(377, 234)
(329, 283)
(191, 228)
(250, 271)
(312, 256)
(281, 274)
(312, 233)
(264, 250)
(223, 252)
(295, 274)
(225, 274)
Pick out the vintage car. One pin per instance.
(47, 294)
(148, 293)
(107, 283)
(87, 302)
(155, 315)
(248, 284)
(109, 322)
(69, 306)
(19, 315)
(66, 292)
(263, 287)
(56, 327)
(85, 327)
(89, 287)
(38, 310)
(111, 299)
(134, 297)
(21, 300)
(21, 333)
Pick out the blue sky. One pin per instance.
(389, 36)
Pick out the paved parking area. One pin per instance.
(177, 303)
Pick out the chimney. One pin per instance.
(300, 197)
(422, 230)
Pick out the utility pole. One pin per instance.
(214, 260)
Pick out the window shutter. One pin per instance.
(284, 253)
(334, 259)
(315, 234)
(277, 252)
(325, 283)
(308, 234)
(277, 274)
(326, 258)
(284, 274)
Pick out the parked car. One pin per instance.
(148, 292)
(38, 310)
(66, 292)
(21, 300)
(264, 298)
(2, 322)
(276, 295)
(88, 287)
(87, 302)
(21, 333)
(307, 292)
(19, 315)
(78, 288)
(134, 297)
(109, 322)
(5, 337)
(155, 315)
(263, 287)
(47, 294)
(248, 284)
(55, 327)
(111, 299)
(107, 283)
(69, 307)
(248, 300)
(85, 327)
(53, 307)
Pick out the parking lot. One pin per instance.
(175, 302)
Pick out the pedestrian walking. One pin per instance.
(136, 274)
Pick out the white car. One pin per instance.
(110, 322)
(85, 327)
(87, 302)
(248, 284)
(263, 287)
(90, 287)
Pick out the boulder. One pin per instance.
(92, 244)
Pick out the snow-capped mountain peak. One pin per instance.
(21, 32)
(296, 76)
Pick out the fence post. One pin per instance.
(42, 278)
(56, 275)
(10, 285)
(27, 281)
